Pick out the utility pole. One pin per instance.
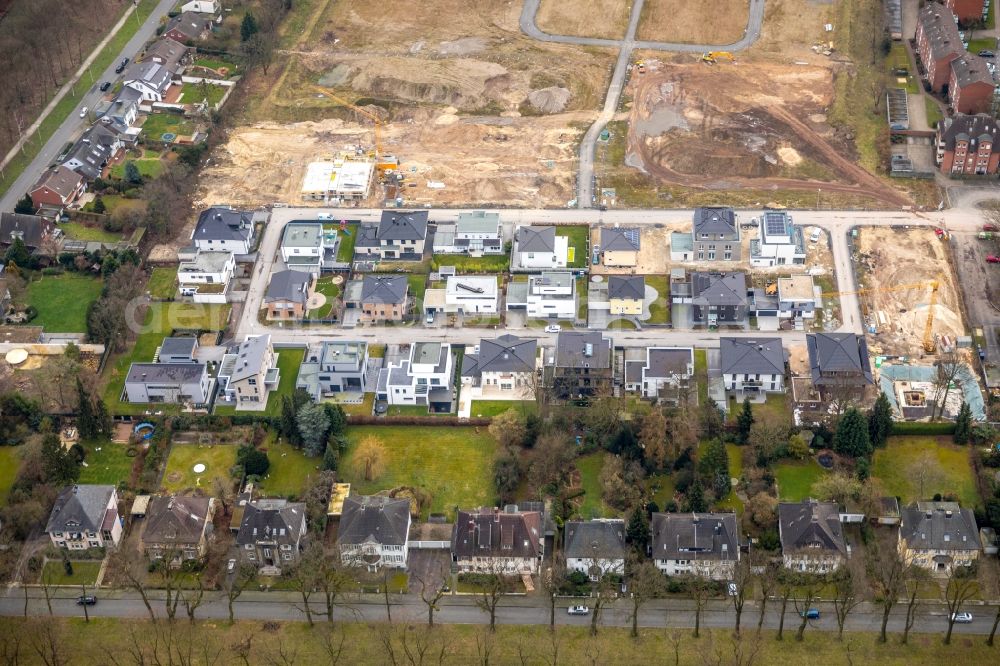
(135, 4)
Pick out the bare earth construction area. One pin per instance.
(692, 22)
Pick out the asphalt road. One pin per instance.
(74, 125)
(585, 176)
(512, 610)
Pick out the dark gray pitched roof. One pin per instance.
(61, 180)
(627, 287)
(719, 288)
(374, 518)
(167, 51)
(494, 533)
(941, 31)
(271, 520)
(179, 519)
(939, 526)
(384, 289)
(696, 536)
(838, 353)
(763, 356)
(152, 74)
(971, 128)
(572, 348)
(222, 224)
(620, 239)
(189, 24)
(250, 356)
(508, 353)
(595, 539)
(288, 286)
(714, 220)
(403, 226)
(31, 229)
(971, 68)
(80, 508)
(666, 362)
(536, 239)
(173, 346)
(810, 526)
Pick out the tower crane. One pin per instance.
(382, 162)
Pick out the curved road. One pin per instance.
(585, 177)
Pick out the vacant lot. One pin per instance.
(488, 408)
(62, 301)
(796, 479)
(288, 475)
(578, 236)
(451, 464)
(78, 231)
(180, 476)
(595, 18)
(693, 22)
(916, 468)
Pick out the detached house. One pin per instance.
(302, 246)
(718, 299)
(937, 44)
(287, 295)
(839, 360)
(272, 534)
(401, 235)
(582, 364)
(85, 516)
(751, 367)
(374, 532)
(781, 243)
(550, 295)
(595, 547)
(424, 378)
(797, 297)
(188, 27)
(35, 232)
(150, 79)
(812, 537)
(57, 186)
(168, 53)
(701, 544)
(476, 233)
(206, 277)
(224, 229)
(172, 383)
(664, 374)
(965, 145)
(384, 297)
(498, 542)
(938, 536)
(472, 294)
(715, 235)
(249, 373)
(333, 367)
(620, 246)
(538, 248)
(177, 527)
(504, 366)
(626, 294)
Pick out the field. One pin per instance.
(469, 102)
(289, 471)
(590, 466)
(78, 231)
(915, 468)
(916, 257)
(596, 18)
(180, 476)
(685, 21)
(149, 167)
(109, 466)
(450, 463)
(84, 572)
(162, 283)
(62, 301)
(795, 479)
(10, 462)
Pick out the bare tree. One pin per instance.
(44, 583)
(193, 598)
(786, 588)
(305, 578)
(119, 562)
(887, 571)
(993, 629)
(333, 582)
(948, 366)
(961, 587)
(492, 591)
(245, 574)
(926, 472)
(645, 582)
(914, 577)
(333, 644)
(484, 646)
(700, 590)
(606, 596)
(46, 639)
(847, 596)
(86, 607)
(430, 595)
(743, 580)
(768, 581)
(551, 581)
(809, 585)
(282, 653)
(10, 644)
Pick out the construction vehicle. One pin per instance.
(712, 57)
(986, 235)
(928, 341)
(383, 162)
(640, 66)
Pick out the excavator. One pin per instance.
(712, 57)
(382, 162)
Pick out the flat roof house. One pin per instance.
(57, 186)
(797, 297)
(715, 234)
(384, 297)
(595, 547)
(751, 367)
(221, 228)
(287, 294)
(664, 374)
(812, 537)
(472, 294)
(700, 544)
(626, 294)
(938, 536)
(85, 516)
(498, 542)
(781, 243)
(206, 277)
(176, 349)
(334, 366)
(302, 246)
(176, 527)
(374, 532)
(424, 378)
(503, 366)
(620, 246)
(475, 233)
(582, 364)
(550, 295)
(173, 383)
(539, 248)
(249, 373)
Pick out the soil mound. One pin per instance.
(549, 100)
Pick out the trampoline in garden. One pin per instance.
(168, 137)
(144, 430)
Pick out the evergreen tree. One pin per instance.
(85, 421)
(637, 530)
(58, 464)
(338, 420)
(99, 206)
(695, 498)
(253, 460)
(851, 438)
(289, 428)
(18, 254)
(713, 465)
(745, 421)
(963, 424)
(331, 457)
(249, 27)
(102, 418)
(880, 422)
(313, 425)
(132, 174)
(25, 206)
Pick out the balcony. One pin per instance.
(272, 377)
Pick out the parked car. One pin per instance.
(83, 112)
(814, 236)
(553, 328)
(430, 318)
(105, 86)
(962, 618)
(231, 566)
(578, 610)
(811, 614)
(985, 53)
(86, 600)
(992, 259)
(991, 227)
(121, 66)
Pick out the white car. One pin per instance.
(962, 618)
(231, 566)
(814, 236)
(578, 610)
(83, 112)
(553, 328)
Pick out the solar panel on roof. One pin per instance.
(775, 223)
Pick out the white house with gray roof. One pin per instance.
(224, 229)
(249, 373)
(550, 295)
(150, 79)
(174, 383)
(302, 247)
(398, 235)
(85, 516)
(702, 544)
(751, 367)
(425, 377)
(781, 243)
(539, 248)
(475, 233)
(664, 374)
(505, 366)
(374, 532)
(938, 536)
(595, 547)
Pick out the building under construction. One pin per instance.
(348, 177)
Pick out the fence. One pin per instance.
(429, 545)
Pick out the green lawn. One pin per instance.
(592, 505)
(942, 466)
(581, 298)
(149, 168)
(326, 287)
(493, 263)
(108, 466)
(194, 93)
(418, 285)
(84, 572)
(898, 59)
(659, 310)
(488, 408)
(701, 374)
(774, 407)
(180, 476)
(578, 237)
(731, 502)
(10, 462)
(345, 251)
(288, 475)
(450, 463)
(982, 44)
(157, 124)
(363, 409)
(796, 479)
(62, 301)
(162, 283)
(934, 114)
(216, 64)
(113, 202)
(79, 231)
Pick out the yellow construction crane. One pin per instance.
(928, 327)
(712, 57)
(382, 162)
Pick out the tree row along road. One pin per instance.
(512, 610)
(585, 182)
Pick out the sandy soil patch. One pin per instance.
(722, 22)
(594, 18)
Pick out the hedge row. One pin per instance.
(922, 428)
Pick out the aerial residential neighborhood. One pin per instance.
(534, 332)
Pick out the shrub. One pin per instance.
(922, 428)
